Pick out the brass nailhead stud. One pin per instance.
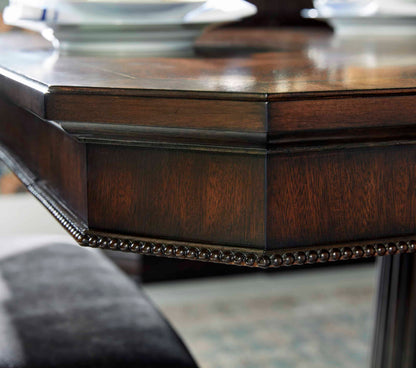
(334, 254)
(239, 258)
(402, 247)
(357, 252)
(288, 259)
(276, 260)
(135, 247)
(312, 256)
(369, 251)
(380, 249)
(205, 254)
(250, 259)
(323, 256)
(123, 245)
(300, 258)
(346, 253)
(264, 262)
(227, 257)
(391, 248)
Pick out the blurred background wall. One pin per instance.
(275, 13)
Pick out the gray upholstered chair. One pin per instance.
(65, 306)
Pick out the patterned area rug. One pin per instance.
(314, 319)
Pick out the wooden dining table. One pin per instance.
(260, 148)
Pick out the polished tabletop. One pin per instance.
(230, 69)
(250, 63)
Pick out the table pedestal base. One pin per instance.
(394, 342)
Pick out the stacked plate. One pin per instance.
(126, 26)
(366, 17)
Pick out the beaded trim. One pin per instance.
(250, 259)
(200, 252)
(225, 255)
(216, 254)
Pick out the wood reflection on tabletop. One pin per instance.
(251, 62)
(366, 62)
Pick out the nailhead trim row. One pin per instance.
(246, 258)
(240, 257)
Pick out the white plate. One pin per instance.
(146, 12)
(375, 25)
(101, 13)
(125, 40)
(140, 34)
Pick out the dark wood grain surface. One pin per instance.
(185, 195)
(321, 197)
(239, 65)
(260, 140)
(229, 63)
(54, 159)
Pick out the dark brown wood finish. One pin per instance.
(54, 159)
(259, 140)
(233, 65)
(178, 194)
(341, 113)
(145, 111)
(341, 194)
